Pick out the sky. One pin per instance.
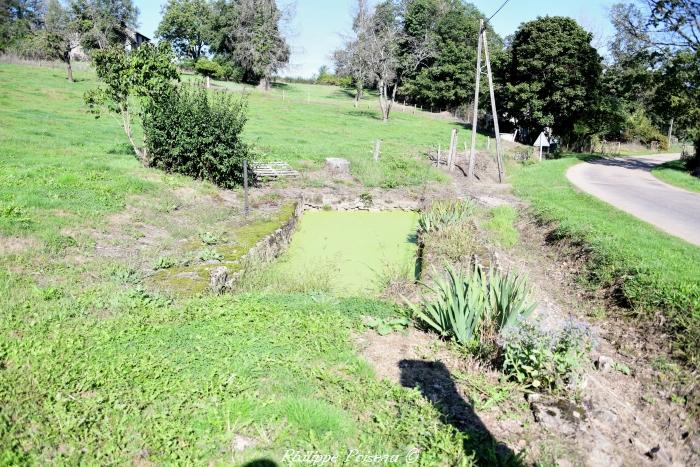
(319, 26)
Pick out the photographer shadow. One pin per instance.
(436, 384)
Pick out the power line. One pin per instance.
(499, 9)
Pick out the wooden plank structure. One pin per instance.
(278, 169)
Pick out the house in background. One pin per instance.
(131, 38)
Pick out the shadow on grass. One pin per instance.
(435, 382)
(365, 114)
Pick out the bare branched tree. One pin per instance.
(656, 25)
(375, 52)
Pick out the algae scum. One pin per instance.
(360, 252)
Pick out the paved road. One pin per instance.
(627, 184)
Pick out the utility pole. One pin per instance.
(472, 154)
(493, 108)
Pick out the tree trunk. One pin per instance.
(126, 122)
(358, 95)
(69, 68)
(384, 100)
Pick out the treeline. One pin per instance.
(548, 76)
(56, 30)
(239, 40)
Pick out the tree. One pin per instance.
(208, 69)
(103, 23)
(19, 19)
(351, 60)
(144, 74)
(377, 51)
(59, 37)
(186, 24)
(251, 35)
(665, 36)
(445, 80)
(553, 77)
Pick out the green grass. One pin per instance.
(674, 173)
(356, 250)
(97, 366)
(649, 269)
(330, 126)
(501, 223)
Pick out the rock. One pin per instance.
(338, 166)
(557, 415)
(218, 278)
(604, 363)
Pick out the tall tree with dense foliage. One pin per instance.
(19, 19)
(186, 24)
(553, 77)
(251, 36)
(445, 80)
(103, 23)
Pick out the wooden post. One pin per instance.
(246, 208)
(488, 143)
(493, 108)
(439, 156)
(472, 153)
(618, 147)
(670, 132)
(453, 150)
(377, 147)
(540, 153)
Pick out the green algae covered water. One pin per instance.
(358, 250)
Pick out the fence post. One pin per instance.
(453, 150)
(377, 147)
(246, 208)
(438, 156)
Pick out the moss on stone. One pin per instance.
(193, 279)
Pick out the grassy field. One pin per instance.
(650, 269)
(298, 122)
(674, 173)
(98, 367)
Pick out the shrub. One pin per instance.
(473, 308)
(443, 213)
(190, 132)
(546, 361)
(207, 68)
(459, 305)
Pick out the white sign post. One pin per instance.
(542, 142)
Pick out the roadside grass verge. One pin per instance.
(674, 173)
(647, 269)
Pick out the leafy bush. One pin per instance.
(385, 326)
(443, 213)
(546, 361)
(190, 132)
(208, 68)
(473, 308)
(640, 128)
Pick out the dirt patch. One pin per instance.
(17, 245)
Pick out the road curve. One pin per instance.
(627, 184)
